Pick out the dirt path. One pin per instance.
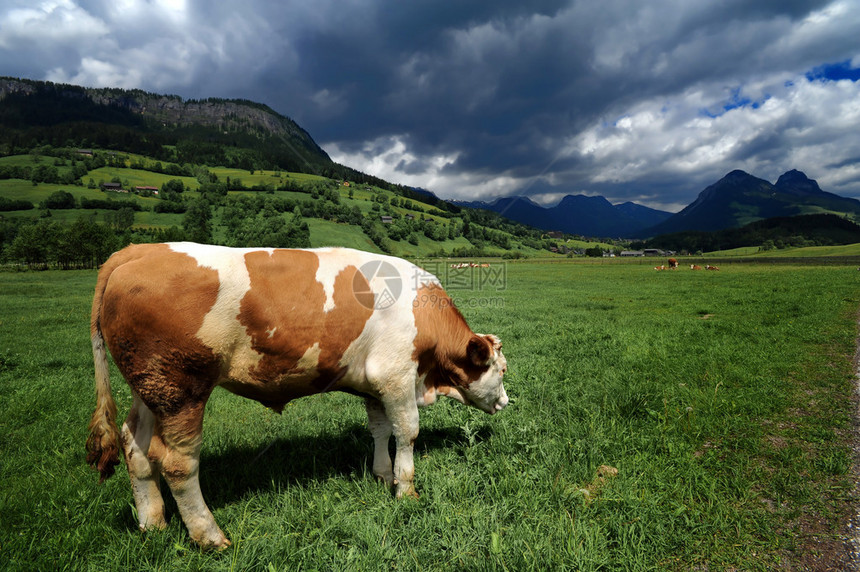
(852, 529)
(848, 558)
(823, 550)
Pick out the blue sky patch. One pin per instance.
(834, 72)
(736, 100)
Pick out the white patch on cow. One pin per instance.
(221, 329)
(331, 262)
(271, 332)
(381, 368)
(311, 358)
(488, 392)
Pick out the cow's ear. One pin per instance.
(494, 341)
(479, 351)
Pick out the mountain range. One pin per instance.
(577, 214)
(734, 201)
(740, 198)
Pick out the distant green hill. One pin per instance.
(71, 207)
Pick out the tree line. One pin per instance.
(767, 234)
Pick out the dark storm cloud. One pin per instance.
(650, 101)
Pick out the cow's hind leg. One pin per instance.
(380, 428)
(176, 445)
(136, 438)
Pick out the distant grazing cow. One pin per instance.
(695, 267)
(659, 268)
(271, 325)
(709, 267)
(673, 263)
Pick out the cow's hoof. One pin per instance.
(389, 480)
(217, 544)
(154, 522)
(408, 492)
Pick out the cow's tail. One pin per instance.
(104, 440)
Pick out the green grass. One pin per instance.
(793, 252)
(18, 189)
(723, 399)
(328, 233)
(135, 177)
(841, 250)
(261, 177)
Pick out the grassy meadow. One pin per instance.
(658, 421)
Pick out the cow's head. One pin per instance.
(479, 383)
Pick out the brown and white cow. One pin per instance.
(272, 325)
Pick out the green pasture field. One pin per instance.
(805, 251)
(136, 177)
(19, 189)
(260, 177)
(722, 399)
(328, 233)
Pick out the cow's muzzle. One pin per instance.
(501, 403)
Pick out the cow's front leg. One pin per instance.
(380, 428)
(404, 424)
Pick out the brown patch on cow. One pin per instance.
(152, 307)
(446, 349)
(283, 314)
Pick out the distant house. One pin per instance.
(153, 190)
(555, 234)
(632, 253)
(654, 252)
(112, 186)
(86, 152)
(386, 219)
(410, 217)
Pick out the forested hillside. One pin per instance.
(72, 207)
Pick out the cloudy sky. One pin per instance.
(632, 100)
